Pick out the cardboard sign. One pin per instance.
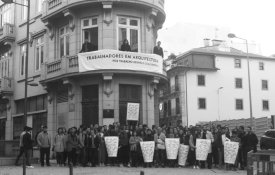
(230, 152)
(183, 153)
(111, 146)
(172, 148)
(148, 149)
(132, 111)
(202, 148)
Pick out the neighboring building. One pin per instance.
(66, 97)
(211, 83)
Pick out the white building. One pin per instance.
(211, 83)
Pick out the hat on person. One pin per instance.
(28, 128)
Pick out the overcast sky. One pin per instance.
(250, 19)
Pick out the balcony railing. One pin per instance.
(6, 85)
(66, 65)
(51, 6)
(7, 30)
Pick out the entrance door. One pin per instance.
(128, 94)
(90, 105)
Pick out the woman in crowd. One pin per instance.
(72, 146)
(59, 146)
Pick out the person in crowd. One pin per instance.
(82, 150)
(249, 144)
(134, 141)
(158, 50)
(21, 148)
(194, 135)
(59, 146)
(235, 138)
(37, 133)
(87, 46)
(91, 145)
(206, 134)
(124, 148)
(159, 138)
(112, 132)
(44, 142)
(72, 146)
(125, 46)
(27, 146)
(102, 147)
(218, 147)
(65, 153)
(148, 137)
(241, 134)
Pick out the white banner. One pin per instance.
(132, 111)
(230, 152)
(183, 153)
(148, 149)
(112, 146)
(202, 148)
(118, 60)
(172, 148)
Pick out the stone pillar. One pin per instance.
(51, 111)
(108, 100)
(9, 121)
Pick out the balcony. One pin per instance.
(69, 66)
(7, 32)
(6, 86)
(52, 7)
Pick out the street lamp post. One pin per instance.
(231, 35)
(219, 103)
(26, 65)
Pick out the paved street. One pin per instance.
(114, 171)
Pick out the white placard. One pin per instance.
(230, 152)
(111, 146)
(132, 111)
(119, 60)
(148, 149)
(183, 153)
(172, 148)
(202, 148)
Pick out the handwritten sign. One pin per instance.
(183, 153)
(132, 111)
(111, 146)
(172, 148)
(202, 148)
(230, 152)
(148, 149)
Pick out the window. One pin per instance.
(2, 129)
(64, 41)
(265, 105)
(238, 63)
(239, 104)
(18, 124)
(202, 103)
(176, 83)
(238, 83)
(22, 59)
(264, 85)
(201, 80)
(5, 14)
(24, 10)
(39, 5)
(36, 103)
(129, 28)
(39, 55)
(4, 64)
(177, 106)
(90, 33)
(261, 65)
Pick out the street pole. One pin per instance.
(219, 103)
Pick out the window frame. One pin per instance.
(24, 10)
(238, 63)
(198, 80)
(236, 83)
(264, 107)
(23, 56)
(5, 14)
(261, 65)
(128, 29)
(236, 104)
(64, 36)
(41, 53)
(199, 104)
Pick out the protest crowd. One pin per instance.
(140, 146)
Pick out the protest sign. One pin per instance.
(183, 153)
(132, 111)
(148, 149)
(202, 148)
(172, 148)
(230, 152)
(111, 146)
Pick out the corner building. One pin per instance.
(66, 97)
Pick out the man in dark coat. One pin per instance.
(87, 46)
(27, 145)
(158, 50)
(250, 142)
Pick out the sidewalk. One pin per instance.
(12, 170)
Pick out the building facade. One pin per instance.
(66, 97)
(211, 84)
